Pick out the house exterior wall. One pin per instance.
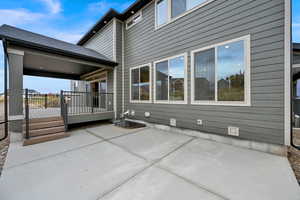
(218, 21)
(102, 41)
(108, 42)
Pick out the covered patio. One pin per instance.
(32, 54)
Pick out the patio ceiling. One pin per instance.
(38, 63)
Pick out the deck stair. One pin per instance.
(44, 129)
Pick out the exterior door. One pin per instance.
(103, 93)
(95, 93)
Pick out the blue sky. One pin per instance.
(68, 20)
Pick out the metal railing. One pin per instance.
(38, 101)
(37, 105)
(87, 102)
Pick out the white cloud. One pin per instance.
(296, 25)
(54, 6)
(16, 17)
(296, 31)
(104, 5)
(71, 36)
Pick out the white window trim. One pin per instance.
(287, 71)
(131, 18)
(185, 101)
(170, 19)
(101, 75)
(150, 84)
(247, 101)
(296, 65)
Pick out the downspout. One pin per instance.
(5, 91)
(291, 78)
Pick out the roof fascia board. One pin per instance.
(121, 16)
(34, 46)
(60, 57)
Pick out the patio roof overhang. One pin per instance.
(48, 57)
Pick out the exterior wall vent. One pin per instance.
(147, 114)
(233, 131)
(172, 122)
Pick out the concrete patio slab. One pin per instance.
(151, 144)
(18, 154)
(234, 173)
(110, 131)
(83, 174)
(148, 164)
(155, 183)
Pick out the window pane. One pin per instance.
(162, 81)
(145, 83)
(297, 89)
(178, 7)
(205, 75)
(231, 70)
(176, 75)
(135, 79)
(162, 12)
(193, 3)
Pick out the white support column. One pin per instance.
(115, 69)
(287, 74)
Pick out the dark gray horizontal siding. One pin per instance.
(216, 22)
(102, 41)
(190, 32)
(296, 58)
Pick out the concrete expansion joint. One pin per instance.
(53, 155)
(119, 146)
(144, 169)
(193, 183)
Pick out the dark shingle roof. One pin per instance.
(131, 10)
(32, 40)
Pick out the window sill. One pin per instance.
(170, 102)
(140, 102)
(157, 27)
(221, 103)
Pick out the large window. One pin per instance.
(221, 73)
(168, 10)
(170, 80)
(161, 12)
(140, 85)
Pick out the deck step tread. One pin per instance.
(45, 119)
(46, 131)
(45, 138)
(42, 125)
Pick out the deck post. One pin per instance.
(26, 114)
(46, 101)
